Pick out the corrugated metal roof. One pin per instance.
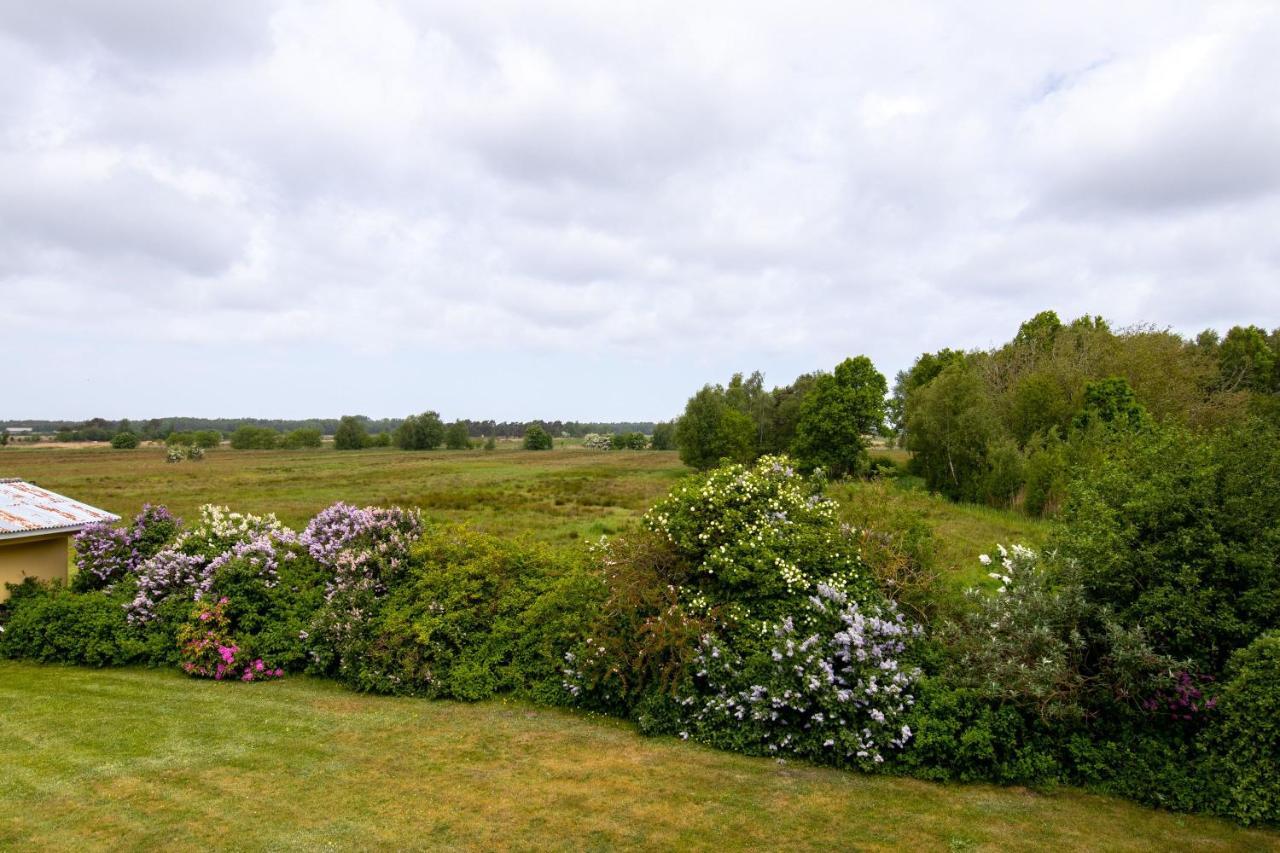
(28, 510)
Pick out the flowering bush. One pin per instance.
(831, 687)
(757, 538)
(105, 554)
(210, 650)
(597, 441)
(749, 621)
(188, 565)
(364, 551)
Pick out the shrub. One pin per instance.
(1246, 733)
(105, 554)
(187, 566)
(537, 438)
(124, 441)
(664, 437)
(475, 616)
(210, 650)
(1180, 533)
(597, 441)
(255, 438)
(51, 624)
(301, 438)
(628, 441)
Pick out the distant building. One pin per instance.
(16, 430)
(36, 526)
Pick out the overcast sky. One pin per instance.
(587, 210)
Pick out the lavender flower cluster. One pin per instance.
(369, 545)
(105, 554)
(188, 566)
(836, 692)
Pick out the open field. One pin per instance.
(137, 758)
(555, 495)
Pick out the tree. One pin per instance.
(537, 438)
(124, 441)
(711, 430)
(949, 426)
(491, 443)
(249, 437)
(350, 434)
(1111, 403)
(456, 437)
(420, 432)
(842, 407)
(1247, 360)
(664, 437)
(303, 437)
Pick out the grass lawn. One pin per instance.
(142, 758)
(554, 495)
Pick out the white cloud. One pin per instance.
(662, 192)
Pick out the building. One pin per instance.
(36, 526)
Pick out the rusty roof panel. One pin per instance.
(25, 508)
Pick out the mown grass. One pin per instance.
(556, 495)
(126, 759)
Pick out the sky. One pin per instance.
(587, 210)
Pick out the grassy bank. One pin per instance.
(135, 758)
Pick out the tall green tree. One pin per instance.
(456, 436)
(950, 425)
(350, 434)
(420, 432)
(664, 436)
(711, 430)
(843, 406)
(537, 438)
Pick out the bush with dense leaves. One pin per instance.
(105, 554)
(1246, 733)
(49, 623)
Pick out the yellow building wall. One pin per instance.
(44, 558)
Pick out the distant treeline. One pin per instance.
(101, 429)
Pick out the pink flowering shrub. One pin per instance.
(209, 649)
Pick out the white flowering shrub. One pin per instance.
(830, 687)
(758, 536)
(596, 441)
(748, 620)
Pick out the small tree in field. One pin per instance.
(664, 437)
(842, 407)
(537, 438)
(456, 436)
(350, 434)
(124, 441)
(712, 430)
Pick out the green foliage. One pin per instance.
(1180, 533)
(629, 441)
(842, 407)
(711, 431)
(664, 436)
(1110, 403)
(490, 443)
(350, 434)
(420, 432)
(950, 425)
(537, 438)
(756, 537)
(1246, 732)
(1248, 360)
(124, 441)
(302, 437)
(255, 438)
(456, 436)
(475, 616)
(51, 624)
